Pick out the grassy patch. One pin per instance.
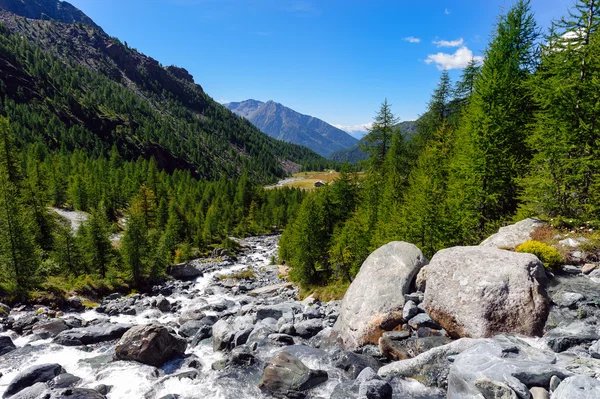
(247, 274)
(330, 292)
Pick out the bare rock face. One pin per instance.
(513, 235)
(480, 292)
(149, 344)
(375, 300)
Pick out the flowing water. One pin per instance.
(134, 380)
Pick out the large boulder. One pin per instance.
(149, 344)
(578, 387)
(49, 329)
(31, 375)
(513, 235)
(286, 374)
(505, 364)
(184, 271)
(481, 292)
(375, 300)
(91, 335)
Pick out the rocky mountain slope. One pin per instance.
(355, 153)
(285, 124)
(72, 86)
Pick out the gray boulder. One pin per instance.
(184, 271)
(513, 235)
(375, 300)
(308, 328)
(49, 329)
(285, 375)
(222, 335)
(481, 292)
(31, 375)
(150, 344)
(507, 362)
(578, 387)
(6, 345)
(91, 335)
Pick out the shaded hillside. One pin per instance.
(55, 10)
(355, 154)
(73, 87)
(285, 124)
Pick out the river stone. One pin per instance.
(222, 334)
(31, 375)
(494, 389)
(410, 310)
(513, 235)
(308, 328)
(375, 389)
(578, 387)
(270, 289)
(286, 374)
(539, 393)
(430, 368)
(149, 344)
(6, 345)
(64, 380)
(567, 299)
(36, 391)
(481, 292)
(375, 300)
(76, 393)
(184, 271)
(567, 335)
(505, 360)
(49, 329)
(91, 335)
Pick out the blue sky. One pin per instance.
(333, 59)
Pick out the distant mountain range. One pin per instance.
(285, 124)
(355, 154)
(75, 87)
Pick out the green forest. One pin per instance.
(166, 174)
(515, 137)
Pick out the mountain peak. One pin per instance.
(56, 10)
(285, 124)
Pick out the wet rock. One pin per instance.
(91, 335)
(283, 339)
(242, 356)
(76, 393)
(375, 300)
(222, 334)
(37, 390)
(308, 328)
(184, 271)
(75, 303)
(353, 363)
(505, 360)
(375, 389)
(567, 335)
(203, 333)
(285, 375)
(578, 387)
(271, 290)
(423, 320)
(513, 235)
(64, 380)
(6, 345)
(481, 292)
(195, 313)
(149, 344)
(26, 322)
(31, 375)
(410, 310)
(313, 312)
(191, 328)
(567, 299)
(392, 346)
(430, 368)
(49, 329)
(163, 304)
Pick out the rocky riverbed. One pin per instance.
(231, 328)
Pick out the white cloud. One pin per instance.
(447, 12)
(458, 60)
(412, 39)
(449, 43)
(357, 131)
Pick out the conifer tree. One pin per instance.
(379, 137)
(96, 242)
(134, 246)
(564, 178)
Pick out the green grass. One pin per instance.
(330, 292)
